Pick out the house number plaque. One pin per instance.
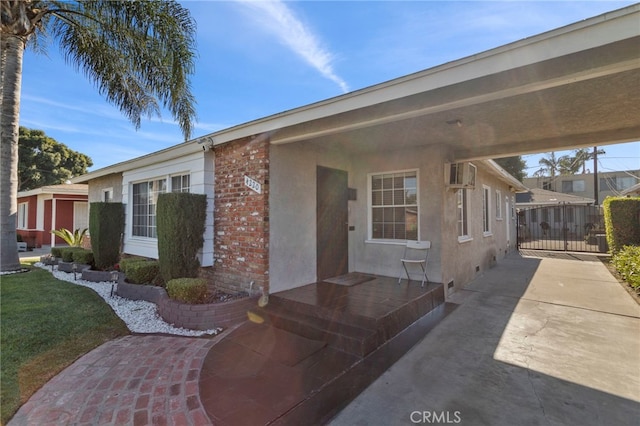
(253, 184)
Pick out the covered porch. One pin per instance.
(314, 348)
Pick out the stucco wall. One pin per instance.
(292, 206)
(292, 203)
(466, 259)
(98, 185)
(292, 247)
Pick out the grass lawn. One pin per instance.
(45, 325)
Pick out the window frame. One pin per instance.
(23, 216)
(462, 215)
(109, 192)
(150, 217)
(498, 205)
(371, 206)
(486, 211)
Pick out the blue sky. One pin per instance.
(261, 58)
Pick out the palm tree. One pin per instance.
(140, 55)
(550, 165)
(581, 156)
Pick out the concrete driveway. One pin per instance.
(536, 341)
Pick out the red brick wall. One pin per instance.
(241, 216)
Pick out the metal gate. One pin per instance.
(562, 227)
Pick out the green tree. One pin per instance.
(140, 55)
(44, 161)
(514, 165)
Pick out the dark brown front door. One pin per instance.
(332, 222)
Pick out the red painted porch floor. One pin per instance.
(330, 343)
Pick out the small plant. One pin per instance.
(142, 272)
(68, 253)
(187, 290)
(74, 239)
(627, 263)
(83, 256)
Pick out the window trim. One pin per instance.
(486, 211)
(499, 205)
(370, 238)
(464, 194)
(168, 179)
(107, 191)
(23, 215)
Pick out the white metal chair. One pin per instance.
(416, 253)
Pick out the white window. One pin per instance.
(107, 195)
(23, 215)
(180, 183)
(145, 199)
(486, 210)
(463, 212)
(498, 205)
(394, 206)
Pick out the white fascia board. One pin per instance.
(167, 154)
(495, 169)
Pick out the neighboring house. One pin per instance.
(340, 186)
(549, 213)
(610, 184)
(633, 191)
(51, 207)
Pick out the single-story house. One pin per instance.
(340, 185)
(44, 209)
(633, 191)
(546, 213)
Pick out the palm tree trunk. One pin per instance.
(11, 80)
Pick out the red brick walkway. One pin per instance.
(134, 380)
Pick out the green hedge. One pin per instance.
(84, 257)
(56, 251)
(106, 224)
(142, 271)
(622, 222)
(180, 219)
(188, 290)
(627, 263)
(68, 253)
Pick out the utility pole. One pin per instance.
(595, 175)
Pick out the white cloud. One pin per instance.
(282, 22)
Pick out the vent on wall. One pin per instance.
(460, 175)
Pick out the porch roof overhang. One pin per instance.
(62, 189)
(575, 86)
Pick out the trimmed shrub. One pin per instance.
(142, 272)
(68, 252)
(56, 251)
(106, 224)
(126, 261)
(622, 222)
(83, 256)
(180, 220)
(187, 290)
(627, 263)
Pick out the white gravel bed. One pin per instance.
(140, 316)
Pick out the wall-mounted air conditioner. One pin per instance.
(460, 175)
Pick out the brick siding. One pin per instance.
(241, 216)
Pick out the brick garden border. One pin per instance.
(194, 317)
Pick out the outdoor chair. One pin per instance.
(416, 253)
